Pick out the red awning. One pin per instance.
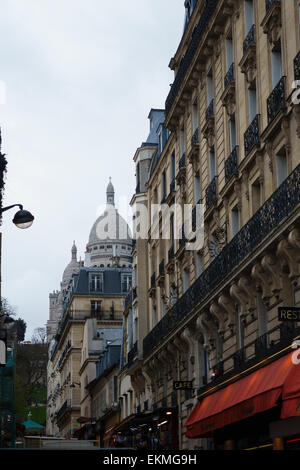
(252, 394)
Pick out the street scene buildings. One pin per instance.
(180, 332)
(204, 361)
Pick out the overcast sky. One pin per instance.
(81, 77)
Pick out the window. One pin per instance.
(281, 167)
(197, 189)
(256, 197)
(249, 15)
(276, 64)
(163, 186)
(154, 317)
(96, 283)
(252, 102)
(199, 265)
(182, 141)
(173, 166)
(186, 279)
(195, 117)
(95, 306)
(95, 248)
(241, 329)
(229, 53)
(126, 283)
(209, 87)
(262, 315)
(235, 221)
(136, 330)
(212, 164)
(232, 133)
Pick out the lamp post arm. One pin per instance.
(10, 207)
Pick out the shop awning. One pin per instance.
(254, 393)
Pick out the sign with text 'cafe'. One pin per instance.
(183, 385)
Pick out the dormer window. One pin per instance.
(96, 282)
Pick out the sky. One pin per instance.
(77, 81)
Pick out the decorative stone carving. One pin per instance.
(245, 283)
(290, 253)
(228, 99)
(209, 340)
(270, 152)
(216, 311)
(270, 264)
(248, 64)
(262, 281)
(272, 24)
(225, 302)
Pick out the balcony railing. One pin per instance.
(276, 100)
(250, 39)
(269, 3)
(208, 11)
(265, 346)
(279, 206)
(231, 164)
(229, 77)
(251, 136)
(210, 111)
(64, 408)
(132, 354)
(211, 193)
(297, 66)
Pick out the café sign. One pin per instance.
(183, 385)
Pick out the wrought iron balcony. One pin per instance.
(210, 111)
(195, 137)
(279, 206)
(229, 77)
(231, 164)
(250, 39)
(276, 100)
(211, 193)
(269, 3)
(208, 11)
(63, 409)
(132, 355)
(297, 66)
(251, 136)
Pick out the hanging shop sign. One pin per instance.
(182, 385)
(288, 313)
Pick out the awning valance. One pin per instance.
(255, 393)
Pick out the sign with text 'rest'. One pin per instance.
(3, 338)
(183, 385)
(288, 313)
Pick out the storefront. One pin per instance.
(153, 431)
(252, 412)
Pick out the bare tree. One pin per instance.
(39, 336)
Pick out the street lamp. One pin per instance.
(22, 219)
